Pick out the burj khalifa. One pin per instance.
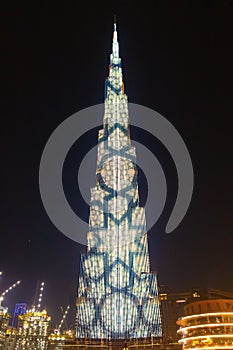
(117, 293)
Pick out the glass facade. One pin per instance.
(117, 294)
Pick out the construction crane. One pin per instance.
(8, 290)
(63, 319)
(40, 295)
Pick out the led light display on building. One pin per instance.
(117, 295)
(20, 309)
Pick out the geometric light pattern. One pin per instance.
(117, 294)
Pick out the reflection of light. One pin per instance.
(181, 301)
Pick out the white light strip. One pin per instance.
(206, 314)
(205, 325)
(207, 337)
(211, 347)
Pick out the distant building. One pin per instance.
(172, 307)
(20, 309)
(57, 340)
(208, 324)
(219, 294)
(10, 339)
(4, 321)
(33, 330)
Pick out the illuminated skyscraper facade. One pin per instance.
(117, 295)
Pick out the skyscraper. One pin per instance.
(20, 309)
(117, 294)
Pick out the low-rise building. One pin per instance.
(208, 324)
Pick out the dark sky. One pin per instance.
(177, 60)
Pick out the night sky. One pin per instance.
(177, 59)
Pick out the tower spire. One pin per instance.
(115, 44)
(114, 83)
